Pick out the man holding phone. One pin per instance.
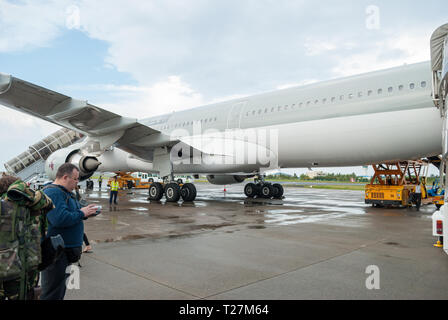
(67, 220)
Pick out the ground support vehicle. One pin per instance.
(394, 184)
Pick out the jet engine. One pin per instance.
(87, 164)
(225, 179)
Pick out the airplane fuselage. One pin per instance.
(381, 116)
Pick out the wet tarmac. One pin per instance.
(314, 244)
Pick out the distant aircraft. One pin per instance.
(376, 117)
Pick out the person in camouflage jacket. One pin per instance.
(22, 226)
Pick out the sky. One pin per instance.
(145, 58)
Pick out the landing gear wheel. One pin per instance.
(155, 191)
(266, 191)
(278, 191)
(250, 190)
(188, 192)
(172, 192)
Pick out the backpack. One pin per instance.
(19, 240)
(20, 250)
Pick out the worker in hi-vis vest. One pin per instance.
(113, 190)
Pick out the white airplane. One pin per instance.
(377, 117)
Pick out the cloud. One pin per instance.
(296, 84)
(391, 51)
(316, 47)
(28, 24)
(140, 101)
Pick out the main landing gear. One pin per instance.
(263, 189)
(173, 191)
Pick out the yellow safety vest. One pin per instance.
(114, 186)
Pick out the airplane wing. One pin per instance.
(73, 114)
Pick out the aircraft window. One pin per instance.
(253, 112)
(350, 96)
(210, 120)
(359, 94)
(316, 101)
(286, 107)
(216, 119)
(400, 87)
(292, 106)
(266, 110)
(259, 111)
(324, 100)
(390, 89)
(279, 108)
(380, 91)
(247, 113)
(412, 85)
(341, 97)
(272, 109)
(205, 121)
(308, 103)
(332, 99)
(423, 84)
(369, 93)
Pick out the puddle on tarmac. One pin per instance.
(284, 219)
(256, 227)
(141, 200)
(281, 211)
(139, 209)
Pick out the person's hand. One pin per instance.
(89, 210)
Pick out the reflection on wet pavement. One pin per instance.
(135, 216)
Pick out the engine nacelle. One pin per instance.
(87, 164)
(225, 179)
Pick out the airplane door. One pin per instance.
(234, 117)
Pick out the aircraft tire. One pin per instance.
(155, 191)
(172, 192)
(250, 190)
(278, 191)
(188, 192)
(266, 191)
